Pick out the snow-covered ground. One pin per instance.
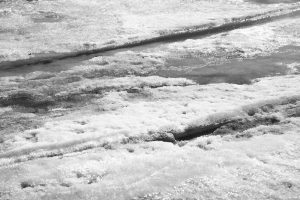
(120, 95)
(43, 28)
(213, 117)
(258, 163)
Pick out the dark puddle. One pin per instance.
(235, 71)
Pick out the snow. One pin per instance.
(33, 29)
(114, 127)
(166, 108)
(116, 96)
(124, 104)
(260, 167)
(246, 43)
(293, 68)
